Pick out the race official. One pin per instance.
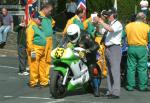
(112, 42)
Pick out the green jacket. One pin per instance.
(74, 20)
(39, 36)
(89, 27)
(21, 37)
(47, 26)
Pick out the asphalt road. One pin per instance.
(14, 89)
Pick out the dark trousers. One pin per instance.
(70, 15)
(22, 58)
(113, 58)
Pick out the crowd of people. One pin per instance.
(35, 45)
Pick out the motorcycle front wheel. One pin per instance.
(57, 90)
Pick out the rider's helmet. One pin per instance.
(73, 33)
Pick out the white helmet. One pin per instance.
(73, 32)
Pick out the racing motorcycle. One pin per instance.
(70, 72)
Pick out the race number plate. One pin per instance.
(59, 53)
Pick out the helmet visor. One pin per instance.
(73, 37)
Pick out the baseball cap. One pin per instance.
(111, 11)
(104, 13)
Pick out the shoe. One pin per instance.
(107, 94)
(96, 93)
(2, 45)
(23, 73)
(129, 88)
(149, 76)
(113, 97)
(32, 86)
(27, 68)
(44, 86)
(145, 90)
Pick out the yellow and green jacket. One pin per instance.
(47, 25)
(137, 33)
(35, 36)
(74, 20)
(89, 27)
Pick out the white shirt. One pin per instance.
(114, 37)
(71, 7)
(144, 4)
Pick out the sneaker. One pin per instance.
(52, 66)
(2, 45)
(113, 97)
(23, 73)
(27, 68)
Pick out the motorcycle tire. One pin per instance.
(57, 90)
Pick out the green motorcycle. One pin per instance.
(70, 71)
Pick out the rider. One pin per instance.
(76, 39)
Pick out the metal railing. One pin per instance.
(12, 6)
(15, 9)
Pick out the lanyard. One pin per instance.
(104, 36)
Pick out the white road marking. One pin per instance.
(8, 50)
(78, 101)
(9, 67)
(52, 100)
(23, 97)
(7, 96)
(3, 56)
(57, 101)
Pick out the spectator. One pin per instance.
(133, 18)
(7, 25)
(36, 42)
(77, 19)
(137, 52)
(21, 43)
(144, 6)
(90, 25)
(47, 25)
(71, 7)
(113, 53)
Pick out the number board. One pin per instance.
(59, 52)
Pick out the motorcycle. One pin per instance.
(70, 71)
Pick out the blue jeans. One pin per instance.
(3, 32)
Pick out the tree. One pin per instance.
(126, 8)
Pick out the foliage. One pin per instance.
(126, 8)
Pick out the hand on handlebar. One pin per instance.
(88, 51)
(81, 54)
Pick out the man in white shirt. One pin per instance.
(113, 52)
(144, 6)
